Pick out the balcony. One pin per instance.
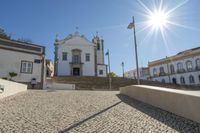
(162, 74)
(181, 71)
(76, 62)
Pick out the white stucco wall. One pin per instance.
(88, 68)
(10, 61)
(102, 67)
(100, 56)
(186, 75)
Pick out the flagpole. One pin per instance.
(108, 60)
(109, 76)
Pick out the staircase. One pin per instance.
(102, 83)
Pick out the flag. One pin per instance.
(107, 53)
(131, 25)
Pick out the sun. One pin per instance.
(158, 19)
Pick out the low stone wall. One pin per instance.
(60, 86)
(180, 102)
(8, 88)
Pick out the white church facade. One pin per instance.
(77, 56)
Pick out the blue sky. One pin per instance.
(41, 20)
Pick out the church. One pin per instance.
(75, 55)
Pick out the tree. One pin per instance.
(112, 74)
(3, 34)
(12, 74)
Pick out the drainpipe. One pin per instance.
(168, 73)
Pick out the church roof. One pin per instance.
(75, 38)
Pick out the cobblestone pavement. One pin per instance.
(86, 111)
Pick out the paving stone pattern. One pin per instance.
(87, 112)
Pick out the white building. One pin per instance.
(77, 56)
(143, 73)
(183, 68)
(24, 59)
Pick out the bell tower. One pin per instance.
(99, 43)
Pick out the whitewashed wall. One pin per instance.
(102, 67)
(186, 75)
(76, 43)
(11, 88)
(10, 61)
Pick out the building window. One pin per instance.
(26, 67)
(98, 46)
(76, 59)
(174, 80)
(163, 80)
(162, 72)
(182, 79)
(155, 72)
(191, 79)
(87, 57)
(172, 68)
(189, 65)
(64, 56)
(100, 72)
(199, 78)
(180, 67)
(198, 64)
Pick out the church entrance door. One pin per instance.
(76, 71)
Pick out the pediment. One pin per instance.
(75, 40)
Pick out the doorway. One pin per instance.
(76, 71)
(174, 80)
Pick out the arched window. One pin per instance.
(198, 63)
(155, 72)
(199, 78)
(180, 67)
(98, 46)
(172, 68)
(182, 80)
(174, 80)
(162, 70)
(189, 65)
(191, 79)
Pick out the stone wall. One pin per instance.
(180, 102)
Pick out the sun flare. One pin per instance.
(158, 19)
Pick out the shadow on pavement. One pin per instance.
(178, 123)
(88, 118)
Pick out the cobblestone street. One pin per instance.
(86, 111)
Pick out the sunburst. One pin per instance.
(159, 19)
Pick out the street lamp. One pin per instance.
(132, 26)
(123, 68)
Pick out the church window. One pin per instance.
(87, 57)
(98, 46)
(64, 56)
(100, 72)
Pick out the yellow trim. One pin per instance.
(175, 58)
